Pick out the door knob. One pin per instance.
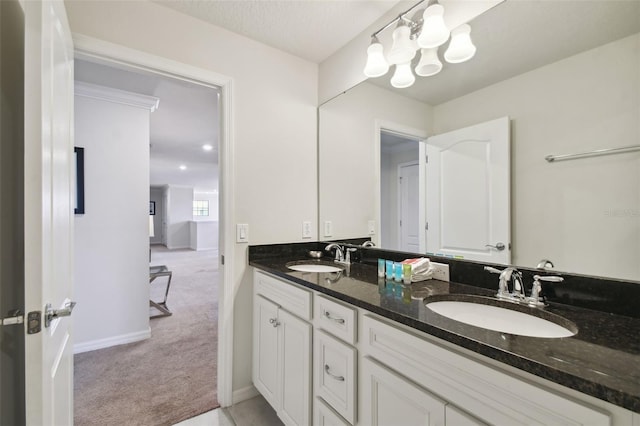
(50, 314)
(498, 246)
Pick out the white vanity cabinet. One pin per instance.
(282, 348)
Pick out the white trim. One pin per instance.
(399, 167)
(89, 48)
(244, 394)
(109, 94)
(111, 341)
(380, 125)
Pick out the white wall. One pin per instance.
(589, 223)
(179, 215)
(345, 136)
(112, 237)
(155, 194)
(274, 121)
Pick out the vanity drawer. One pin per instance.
(336, 318)
(335, 374)
(288, 296)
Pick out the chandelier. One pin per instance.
(426, 31)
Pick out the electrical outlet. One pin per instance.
(441, 271)
(242, 233)
(328, 228)
(306, 229)
(372, 227)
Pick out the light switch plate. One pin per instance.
(242, 233)
(306, 229)
(328, 228)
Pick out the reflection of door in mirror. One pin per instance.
(467, 193)
(399, 191)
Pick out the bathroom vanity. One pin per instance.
(348, 348)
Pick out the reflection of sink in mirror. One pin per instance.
(313, 267)
(501, 319)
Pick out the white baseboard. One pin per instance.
(244, 394)
(111, 341)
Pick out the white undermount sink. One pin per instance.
(313, 267)
(501, 319)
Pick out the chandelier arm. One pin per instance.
(401, 16)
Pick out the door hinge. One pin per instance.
(401, 223)
(222, 259)
(426, 226)
(426, 158)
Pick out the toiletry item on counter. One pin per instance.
(406, 273)
(381, 263)
(421, 269)
(397, 271)
(389, 269)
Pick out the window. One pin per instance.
(201, 207)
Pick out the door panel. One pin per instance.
(265, 341)
(468, 192)
(409, 207)
(48, 209)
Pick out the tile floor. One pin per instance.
(252, 412)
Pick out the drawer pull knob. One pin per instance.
(274, 322)
(338, 320)
(328, 371)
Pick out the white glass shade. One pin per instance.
(403, 77)
(376, 63)
(434, 31)
(429, 63)
(403, 49)
(461, 47)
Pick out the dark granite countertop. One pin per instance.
(601, 360)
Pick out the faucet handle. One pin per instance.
(550, 278)
(347, 255)
(492, 270)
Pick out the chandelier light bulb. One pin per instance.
(403, 77)
(403, 49)
(376, 63)
(434, 31)
(461, 47)
(429, 62)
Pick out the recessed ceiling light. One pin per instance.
(183, 167)
(207, 147)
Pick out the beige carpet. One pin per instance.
(170, 377)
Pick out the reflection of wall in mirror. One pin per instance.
(349, 156)
(585, 102)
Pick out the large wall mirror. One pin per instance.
(566, 74)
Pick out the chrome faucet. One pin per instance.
(339, 252)
(508, 274)
(534, 300)
(368, 243)
(545, 264)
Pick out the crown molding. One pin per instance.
(109, 94)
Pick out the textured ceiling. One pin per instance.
(310, 29)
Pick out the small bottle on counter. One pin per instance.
(397, 271)
(389, 269)
(406, 273)
(381, 264)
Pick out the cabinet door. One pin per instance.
(323, 415)
(390, 400)
(265, 349)
(295, 365)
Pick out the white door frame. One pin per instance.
(92, 48)
(399, 129)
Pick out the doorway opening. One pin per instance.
(172, 375)
(399, 191)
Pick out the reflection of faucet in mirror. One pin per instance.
(368, 243)
(545, 264)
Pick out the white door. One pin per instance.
(48, 209)
(409, 190)
(468, 193)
